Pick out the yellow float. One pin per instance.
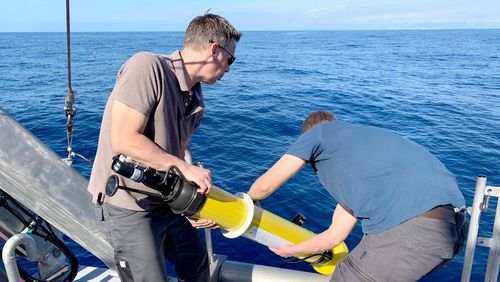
(238, 216)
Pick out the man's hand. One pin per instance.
(202, 223)
(285, 251)
(202, 177)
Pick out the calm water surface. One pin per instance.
(440, 88)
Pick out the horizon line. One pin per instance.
(277, 30)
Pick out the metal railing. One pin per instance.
(480, 204)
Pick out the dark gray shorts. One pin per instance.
(403, 253)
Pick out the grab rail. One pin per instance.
(480, 204)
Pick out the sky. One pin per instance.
(158, 15)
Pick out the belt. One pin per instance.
(443, 213)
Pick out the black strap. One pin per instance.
(321, 258)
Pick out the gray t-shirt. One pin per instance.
(154, 85)
(383, 178)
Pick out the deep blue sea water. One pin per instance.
(440, 88)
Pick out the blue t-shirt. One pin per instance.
(383, 178)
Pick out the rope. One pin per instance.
(69, 108)
(68, 44)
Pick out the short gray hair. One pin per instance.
(207, 29)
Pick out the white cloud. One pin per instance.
(398, 16)
(317, 13)
(411, 16)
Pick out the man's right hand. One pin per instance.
(202, 223)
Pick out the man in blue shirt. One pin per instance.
(406, 200)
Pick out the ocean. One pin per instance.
(439, 88)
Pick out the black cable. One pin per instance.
(68, 45)
(36, 225)
(323, 257)
(73, 262)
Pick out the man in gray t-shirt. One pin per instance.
(403, 196)
(155, 106)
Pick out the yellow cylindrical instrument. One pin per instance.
(237, 215)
